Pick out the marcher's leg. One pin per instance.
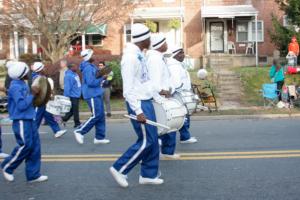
(279, 89)
(146, 147)
(107, 100)
(51, 122)
(100, 117)
(69, 114)
(90, 123)
(184, 131)
(40, 111)
(0, 139)
(75, 106)
(168, 142)
(23, 135)
(33, 161)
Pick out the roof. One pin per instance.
(158, 13)
(228, 11)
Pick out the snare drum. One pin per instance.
(169, 112)
(188, 99)
(53, 107)
(64, 102)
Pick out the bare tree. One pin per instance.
(58, 22)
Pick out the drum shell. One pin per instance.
(53, 107)
(169, 112)
(188, 99)
(64, 102)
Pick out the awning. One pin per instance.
(158, 13)
(97, 29)
(228, 11)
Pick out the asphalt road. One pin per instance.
(234, 160)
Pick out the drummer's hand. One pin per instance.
(141, 118)
(165, 93)
(35, 90)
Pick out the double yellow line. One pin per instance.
(183, 156)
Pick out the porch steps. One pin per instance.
(228, 82)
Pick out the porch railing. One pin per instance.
(226, 2)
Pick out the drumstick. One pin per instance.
(149, 122)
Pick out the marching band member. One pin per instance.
(2, 155)
(92, 93)
(21, 111)
(161, 78)
(138, 91)
(181, 81)
(72, 89)
(38, 69)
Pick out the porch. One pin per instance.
(232, 34)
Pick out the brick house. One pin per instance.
(208, 29)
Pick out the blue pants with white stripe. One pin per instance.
(97, 119)
(42, 113)
(146, 148)
(184, 131)
(168, 141)
(28, 149)
(0, 140)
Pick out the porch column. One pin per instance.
(16, 44)
(34, 47)
(83, 41)
(26, 44)
(11, 46)
(181, 31)
(256, 43)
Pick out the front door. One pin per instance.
(217, 37)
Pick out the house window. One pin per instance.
(242, 31)
(260, 31)
(246, 31)
(127, 33)
(95, 40)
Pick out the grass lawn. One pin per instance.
(252, 80)
(115, 103)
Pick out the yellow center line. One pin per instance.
(184, 156)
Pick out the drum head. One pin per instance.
(45, 91)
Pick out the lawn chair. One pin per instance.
(207, 100)
(270, 94)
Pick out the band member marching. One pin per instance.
(161, 78)
(38, 69)
(139, 91)
(21, 111)
(93, 95)
(181, 81)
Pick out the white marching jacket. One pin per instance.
(137, 85)
(180, 77)
(158, 71)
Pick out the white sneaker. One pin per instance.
(150, 181)
(8, 177)
(60, 133)
(119, 178)
(3, 155)
(189, 141)
(174, 156)
(39, 179)
(104, 141)
(79, 138)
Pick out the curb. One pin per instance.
(209, 118)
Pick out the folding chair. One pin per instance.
(208, 100)
(270, 94)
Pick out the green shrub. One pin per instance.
(117, 79)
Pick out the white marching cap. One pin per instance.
(10, 63)
(37, 66)
(17, 70)
(140, 32)
(174, 50)
(87, 54)
(157, 40)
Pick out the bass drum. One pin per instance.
(188, 99)
(44, 95)
(53, 107)
(171, 113)
(64, 102)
